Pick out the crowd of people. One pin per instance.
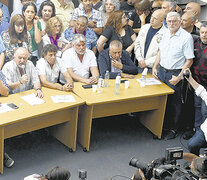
(54, 43)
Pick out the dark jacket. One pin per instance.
(104, 63)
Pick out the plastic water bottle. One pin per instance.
(100, 84)
(117, 84)
(106, 79)
(144, 77)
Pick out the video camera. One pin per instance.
(161, 168)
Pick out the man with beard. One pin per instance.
(64, 10)
(174, 56)
(80, 61)
(95, 20)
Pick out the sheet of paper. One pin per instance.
(32, 99)
(4, 108)
(150, 81)
(63, 98)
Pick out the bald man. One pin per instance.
(194, 8)
(146, 44)
(21, 75)
(188, 21)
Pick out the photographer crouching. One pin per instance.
(199, 140)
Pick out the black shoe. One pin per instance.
(171, 135)
(8, 161)
(189, 134)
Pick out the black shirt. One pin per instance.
(111, 35)
(127, 9)
(150, 34)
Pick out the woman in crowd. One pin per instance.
(29, 11)
(16, 36)
(47, 10)
(108, 7)
(116, 28)
(54, 35)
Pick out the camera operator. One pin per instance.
(199, 140)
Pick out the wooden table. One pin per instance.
(134, 99)
(29, 118)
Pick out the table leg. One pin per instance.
(84, 126)
(66, 132)
(153, 119)
(1, 150)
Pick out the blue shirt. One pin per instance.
(4, 26)
(5, 11)
(91, 38)
(175, 49)
(2, 47)
(2, 78)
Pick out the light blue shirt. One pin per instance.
(5, 11)
(2, 47)
(175, 49)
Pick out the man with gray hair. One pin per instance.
(174, 56)
(20, 73)
(81, 27)
(168, 6)
(116, 60)
(80, 61)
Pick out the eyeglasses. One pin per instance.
(172, 21)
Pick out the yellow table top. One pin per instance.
(133, 92)
(26, 111)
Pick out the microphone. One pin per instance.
(23, 69)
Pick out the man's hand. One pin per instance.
(142, 64)
(92, 24)
(68, 86)
(129, 76)
(117, 64)
(142, 17)
(39, 93)
(154, 73)
(174, 80)
(93, 80)
(24, 79)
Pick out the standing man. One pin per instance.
(81, 62)
(64, 10)
(95, 20)
(49, 68)
(116, 60)
(174, 56)
(146, 44)
(20, 73)
(188, 21)
(168, 6)
(194, 8)
(6, 13)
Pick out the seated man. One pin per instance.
(4, 91)
(81, 27)
(146, 44)
(20, 73)
(49, 68)
(80, 61)
(94, 17)
(116, 60)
